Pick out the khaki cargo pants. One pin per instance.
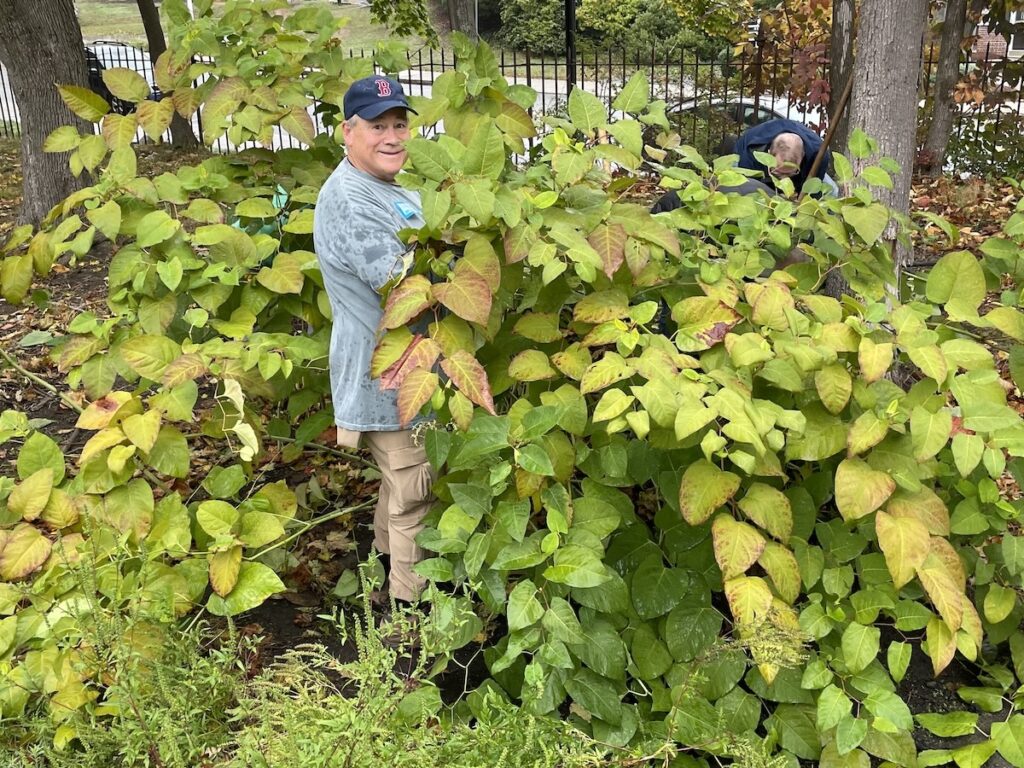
(404, 500)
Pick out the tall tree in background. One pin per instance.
(885, 92)
(947, 72)
(41, 45)
(840, 67)
(181, 131)
(462, 17)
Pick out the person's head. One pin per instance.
(376, 126)
(788, 151)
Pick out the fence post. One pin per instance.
(570, 45)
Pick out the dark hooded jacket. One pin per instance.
(759, 138)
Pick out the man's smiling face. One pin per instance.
(377, 146)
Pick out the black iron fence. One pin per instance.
(706, 100)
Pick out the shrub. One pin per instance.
(534, 25)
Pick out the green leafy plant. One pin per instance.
(626, 492)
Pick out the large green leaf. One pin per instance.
(691, 629)
(256, 582)
(155, 228)
(867, 221)
(38, 452)
(485, 154)
(860, 646)
(634, 94)
(1009, 739)
(587, 112)
(577, 567)
(149, 355)
(957, 277)
(655, 589)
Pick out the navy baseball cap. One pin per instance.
(372, 96)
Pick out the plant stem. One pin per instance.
(39, 381)
(325, 449)
(311, 524)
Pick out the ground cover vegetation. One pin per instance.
(703, 512)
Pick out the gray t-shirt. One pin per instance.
(355, 228)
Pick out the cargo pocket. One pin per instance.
(413, 477)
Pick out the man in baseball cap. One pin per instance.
(358, 215)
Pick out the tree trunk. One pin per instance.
(885, 95)
(41, 46)
(839, 73)
(462, 15)
(947, 72)
(182, 136)
(840, 68)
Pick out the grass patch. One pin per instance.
(120, 20)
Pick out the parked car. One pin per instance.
(105, 54)
(742, 112)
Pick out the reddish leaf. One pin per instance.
(518, 241)
(466, 294)
(421, 353)
(409, 298)
(416, 389)
(609, 240)
(471, 379)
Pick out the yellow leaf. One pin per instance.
(24, 551)
(942, 591)
(925, 506)
(29, 498)
(939, 644)
(904, 542)
(224, 568)
(469, 376)
(859, 489)
(99, 442)
(704, 489)
(770, 509)
(874, 359)
(783, 569)
(416, 389)
(142, 429)
(61, 510)
(750, 599)
(737, 545)
(100, 412)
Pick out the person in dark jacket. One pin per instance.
(794, 147)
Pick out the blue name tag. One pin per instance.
(405, 210)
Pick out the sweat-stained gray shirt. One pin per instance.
(355, 226)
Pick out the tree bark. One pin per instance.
(947, 72)
(839, 73)
(885, 95)
(840, 68)
(182, 135)
(462, 15)
(41, 46)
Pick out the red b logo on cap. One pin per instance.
(383, 88)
